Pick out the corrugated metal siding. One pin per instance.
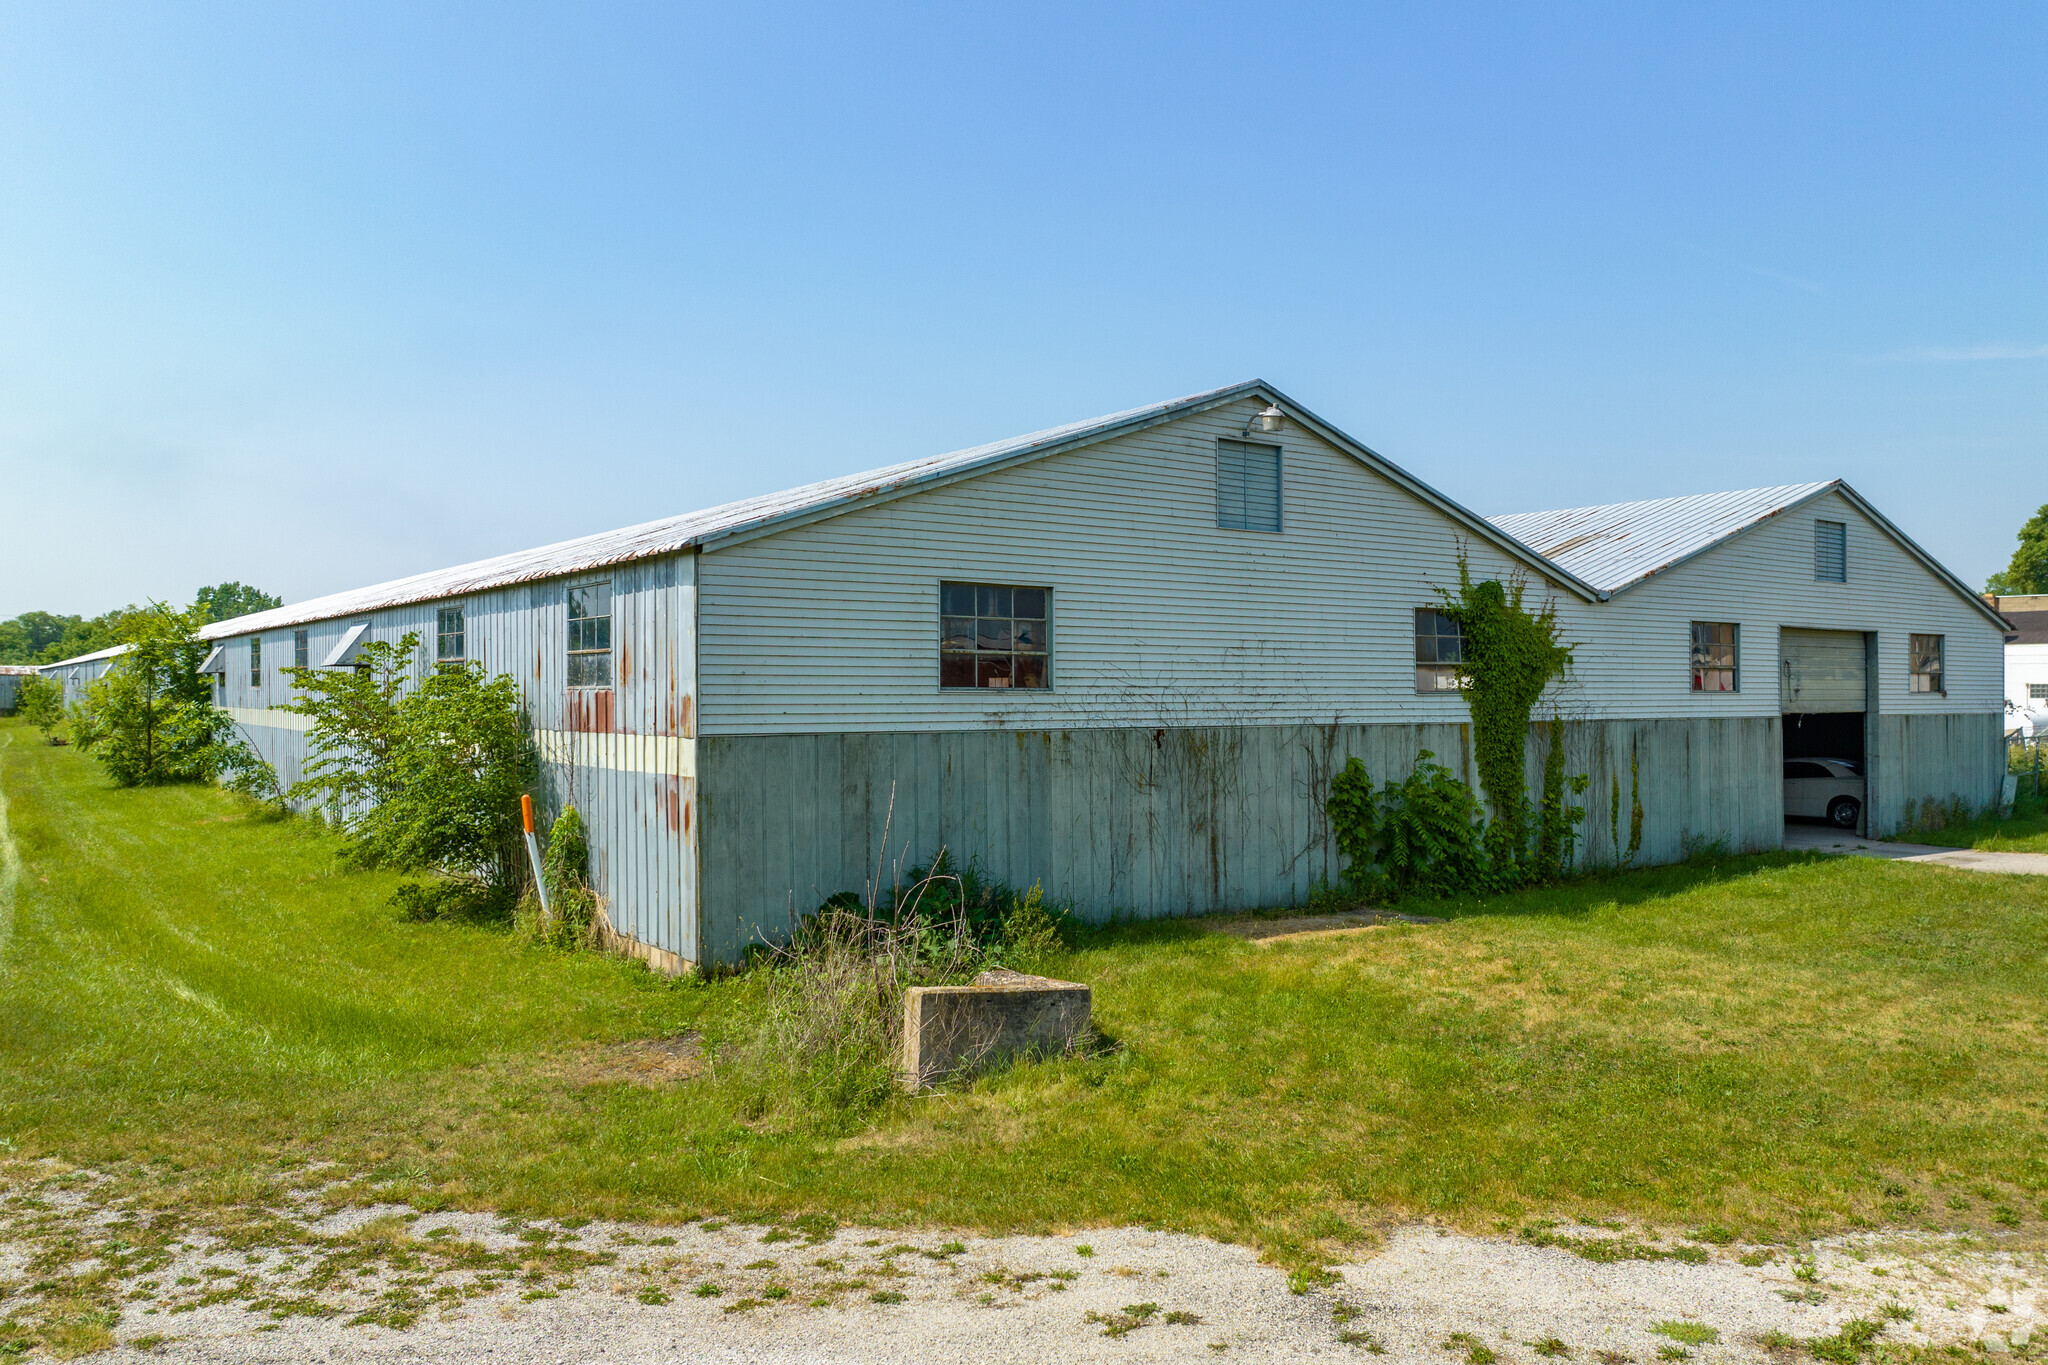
(1153, 822)
(1934, 760)
(80, 674)
(10, 684)
(629, 767)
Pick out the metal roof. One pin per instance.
(16, 670)
(754, 516)
(1620, 543)
(88, 658)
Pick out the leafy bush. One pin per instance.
(41, 703)
(419, 773)
(151, 718)
(1423, 833)
(1510, 655)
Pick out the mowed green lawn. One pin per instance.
(194, 992)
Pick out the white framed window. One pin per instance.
(590, 634)
(449, 640)
(1247, 486)
(298, 649)
(255, 661)
(994, 635)
(1923, 653)
(1716, 656)
(1830, 552)
(2037, 691)
(1439, 649)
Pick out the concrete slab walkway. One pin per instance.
(1823, 839)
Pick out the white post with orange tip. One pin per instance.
(540, 880)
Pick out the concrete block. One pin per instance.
(955, 1031)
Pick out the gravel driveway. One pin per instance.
(388, 1284)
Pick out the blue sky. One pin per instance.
(312, 296)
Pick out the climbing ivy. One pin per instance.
(1511, 655)
(1428, 832)
(1557, 824)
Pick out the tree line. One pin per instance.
(41, 637)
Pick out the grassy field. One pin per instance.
(199, 1001)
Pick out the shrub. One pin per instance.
(419, 773)
(1422, 833)
(1032, 933)
(41, 704)
(1511, 654)
(151, 719)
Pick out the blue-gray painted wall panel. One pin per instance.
(1154, 822)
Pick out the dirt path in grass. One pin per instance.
(80, 1271)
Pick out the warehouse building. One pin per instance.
(11, 676)
(1122, 658)
(80, 673)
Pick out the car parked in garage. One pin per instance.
(1829, 789)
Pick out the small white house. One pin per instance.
(1122, 659)
(2026, 665)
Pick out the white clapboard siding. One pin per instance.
(1162, 618)
(1634, 650)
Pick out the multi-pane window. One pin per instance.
(1247, 486)
(2037, 691)
(590, 635)
(1716, 656)
(448, 641)
(1924, 655)
(298, 649)
(255, 661)
(1830, 552)
(1439, 649)
(991, 635)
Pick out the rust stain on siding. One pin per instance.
(591, 712)
(671, 799)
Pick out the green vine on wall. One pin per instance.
(1510, 655)
(1428, 831)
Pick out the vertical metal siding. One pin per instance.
(642, 823)
(1148, 822)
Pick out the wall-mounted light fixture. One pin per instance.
(1267, 421)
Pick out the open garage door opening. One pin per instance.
(1822, 689)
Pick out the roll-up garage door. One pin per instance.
(1820, 670)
